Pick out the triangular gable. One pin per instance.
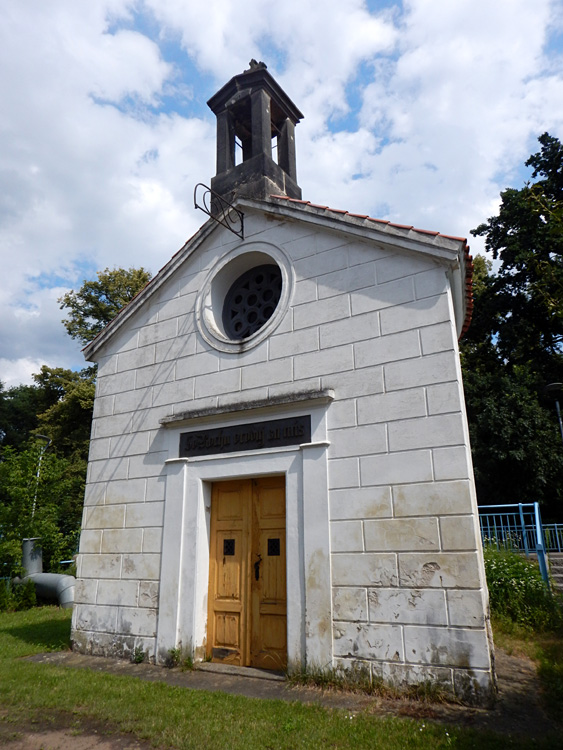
(451, 251)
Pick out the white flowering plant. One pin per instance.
(518, 593)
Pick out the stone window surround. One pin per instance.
(210, 300)
(182, 612)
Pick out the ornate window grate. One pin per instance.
(251, 301)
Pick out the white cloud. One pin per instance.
(459, 109)
(18, 371)
(420, 113)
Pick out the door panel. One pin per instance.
(228, 565)
(269, 606)
(247, 620)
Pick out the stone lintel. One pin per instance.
(286, 399)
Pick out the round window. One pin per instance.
(251, 301)
(244, 297)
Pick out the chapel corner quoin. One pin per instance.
(280, 472)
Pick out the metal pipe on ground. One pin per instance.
(53, 586)
(49, 586)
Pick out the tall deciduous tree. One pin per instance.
(59, 405)
(522, 304)
(514, 345)
(68, 415)
(37, 500)
(97, 302)
(19, 407)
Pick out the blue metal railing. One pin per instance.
(517, 527)
(553, 533)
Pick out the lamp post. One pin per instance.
(553, 390)
(46, 443)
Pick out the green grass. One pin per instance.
(176, 717)
(545, 649)
(528, 619)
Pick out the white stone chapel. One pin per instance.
(280, 472)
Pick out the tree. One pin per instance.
(522, 304)
(59, 405)
(68, 417)
(37, 504)
(517, 452)
(514, 345)
(96, 303)
(19, 407)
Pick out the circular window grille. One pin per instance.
(251, 301)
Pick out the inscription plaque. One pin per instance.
(246, 437)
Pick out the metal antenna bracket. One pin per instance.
(219, 209)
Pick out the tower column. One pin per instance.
(225, 142)
(261, 123)
(286, 149)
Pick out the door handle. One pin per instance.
(257, 568)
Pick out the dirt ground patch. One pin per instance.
(63, 732)
(517, 712)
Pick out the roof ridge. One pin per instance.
(365, 217)
(369, 218)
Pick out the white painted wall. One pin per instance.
(400, 528)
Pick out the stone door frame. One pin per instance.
(184, 578)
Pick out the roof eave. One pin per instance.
(93, 348)
(452, 251)
(441, 247)
(446, 249)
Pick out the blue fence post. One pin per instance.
(540, 546)
(523, 526)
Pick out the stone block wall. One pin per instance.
(377, 327)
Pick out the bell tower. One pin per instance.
(253, 110)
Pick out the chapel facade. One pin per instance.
(280, 472)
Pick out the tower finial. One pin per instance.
(253, 65)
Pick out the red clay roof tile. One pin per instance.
(468, 258)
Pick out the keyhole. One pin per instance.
(257, 568)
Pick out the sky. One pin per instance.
(419, 112)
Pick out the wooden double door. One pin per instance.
(247, 611)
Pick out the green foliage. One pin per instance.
(139, 655)
(180, 657)
(48, 506)
(513, 348)
(550, 671)
(518, 593)
(24, 594)
(517, 452)
(526, 294)
(96, 303)
(5, 594)
(68, 418)
(174, 657)
(19, 407)
(17, 597)
(58, 405)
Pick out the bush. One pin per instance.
(24, 595)
(16, 597)
(518, 593)
(5, 595)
